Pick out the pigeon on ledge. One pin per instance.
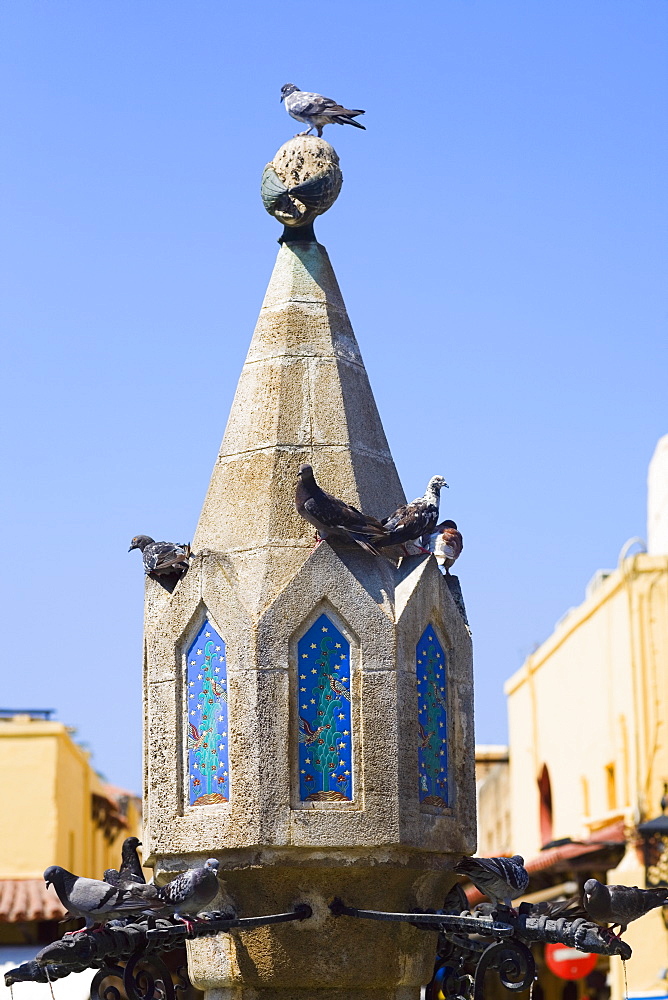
(501, 879)
(190, 891)
(332, 516)
(412, 520)
(315, 110)
(161, 558)
(446, 543)
(97, 901)
(131, 871)
(618, 905)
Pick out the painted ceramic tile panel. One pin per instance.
(325, 729)
(432, 720)
(208, 755)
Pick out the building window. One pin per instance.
(430, 669)
(206, 721)
(545, 796)
(324, 715)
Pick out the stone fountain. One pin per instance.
(307, 789)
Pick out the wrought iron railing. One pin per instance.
(469, 945)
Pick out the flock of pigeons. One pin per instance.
(415, 523)
(125, 894)
(503, 879)
(412, 522)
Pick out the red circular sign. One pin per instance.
(569, 963)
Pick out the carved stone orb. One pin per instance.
(302, 181)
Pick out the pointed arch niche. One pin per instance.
(208, 765)
(323, 713)
(431, 672)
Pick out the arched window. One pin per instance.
(545, 793)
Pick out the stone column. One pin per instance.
(309, 712)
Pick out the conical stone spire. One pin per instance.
(303, 396)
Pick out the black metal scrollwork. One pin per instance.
(512, 960)
(142, 978)
(108, 992)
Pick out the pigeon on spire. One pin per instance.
(332, 516)
(446, 543)
(161, 558)
(315, 110)
(618, 905)
(499, 878)
(412, 520)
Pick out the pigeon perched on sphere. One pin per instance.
(332, 516)
(190, 891)
(501, 879)
(618, 905)
(161, 558)
(97, 901)
(412, 520)
(315, 110)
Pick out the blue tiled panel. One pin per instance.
(323, 710)
(208, 755)
(432, 720)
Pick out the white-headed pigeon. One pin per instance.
(412, 520)
(315, 110)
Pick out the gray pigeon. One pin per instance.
(618, 905)
(412, 520)
(315, 110)
(190, 891)
(161, 558)
(332, 516)
(131, 871)
(97, 901)
(501, 879)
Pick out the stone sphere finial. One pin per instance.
(302, 181)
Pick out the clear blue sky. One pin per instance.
(500, 241)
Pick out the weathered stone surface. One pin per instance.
(299, 160)
(303, 396)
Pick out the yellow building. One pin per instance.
(492, 781)
(588, 728)
(70, 817)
